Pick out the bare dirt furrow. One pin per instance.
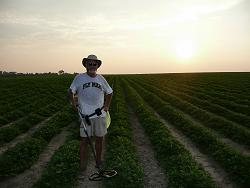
(86, 183)
(215, 171)
(30, 176)
(11, 123)
(153, 174)
(21, 137)
(241, 148)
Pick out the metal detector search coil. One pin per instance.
(99, 175)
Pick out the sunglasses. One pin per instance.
(92, 64)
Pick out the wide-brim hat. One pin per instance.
(91, 57)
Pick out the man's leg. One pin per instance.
(98, 148)
(83, 153)
(100, 131)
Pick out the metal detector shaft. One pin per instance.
(85, 130)
(100, 174)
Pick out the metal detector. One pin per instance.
(100, 173)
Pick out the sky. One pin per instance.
(141, 36)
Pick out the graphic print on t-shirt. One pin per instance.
(91, 84)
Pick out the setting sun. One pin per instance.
(184, 49)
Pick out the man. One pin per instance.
(93, 92)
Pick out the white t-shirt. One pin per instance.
(90, 92)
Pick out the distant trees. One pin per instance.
(5, 73)
(61, 72)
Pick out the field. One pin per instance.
(167, 130)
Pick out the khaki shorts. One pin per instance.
(97, 127)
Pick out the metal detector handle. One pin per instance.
(79, 111)
(80, 115)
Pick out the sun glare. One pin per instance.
(184, 49)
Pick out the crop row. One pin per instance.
(63, 168)
(24, 154)
(240, 86)
(227, 91)
(226, 80)
(25, 103)
(15, 102)
(237, 165)
(9, 133)
(28, 92)
(235, 84)
(229, 129)
(177, 162)
(22, 106)
(236, 103)
(120, 150)
(18, 89)
(18, 114)
(205, 104)
(24, 110)
(225, 100)
(13, 93)
(215, 92)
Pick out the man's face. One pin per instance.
(92, 66)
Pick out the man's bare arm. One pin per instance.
(107, 101)
(72, 99)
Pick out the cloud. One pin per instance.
(93, 28)
(29, 28)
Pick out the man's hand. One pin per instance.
(75, 108)
(105, 108)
